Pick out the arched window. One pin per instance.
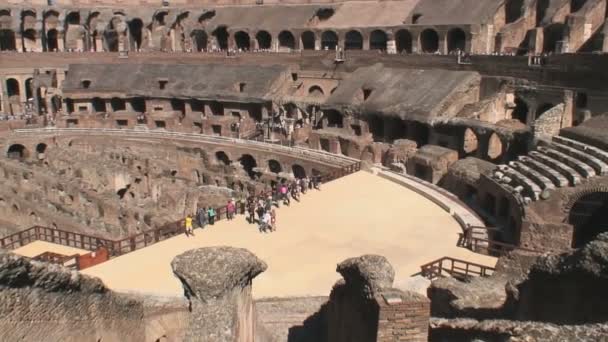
(298, 171)
(286, 40)
(329, 40)
(16, 151)
(403, 40)
(315, 91)
(242, 40)
(308, 40)
(222, 157)
(12, 87)
(249, 164)
(353, 41)
(494, 147)
(377, 40)
(274, 166)
(470, 142)
(429, 41)
(457, 40)
(264, 40)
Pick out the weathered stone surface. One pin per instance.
(209, 273)
(373, 272)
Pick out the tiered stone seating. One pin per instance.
(557, 178)
(537, 177)
(532, 189)
(573, 177)
(600, 167)
(582, 168)
(592, 150)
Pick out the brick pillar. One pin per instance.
(403, 316)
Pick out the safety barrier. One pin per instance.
(455, 268)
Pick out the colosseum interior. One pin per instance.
(445, 162)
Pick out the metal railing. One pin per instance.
(456, 268)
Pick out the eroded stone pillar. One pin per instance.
(217, 283)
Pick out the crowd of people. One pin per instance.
(260, 209)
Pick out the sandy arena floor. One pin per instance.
(354, 215)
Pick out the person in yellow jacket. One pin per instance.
(188, 222)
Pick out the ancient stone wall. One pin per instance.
(549, 123)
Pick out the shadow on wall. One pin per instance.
(313, 329)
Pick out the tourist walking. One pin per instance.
(230, 207)
(285, 194)
(273, 220)
(211, 215)
(188, 222)
(251, 209)
(266, 221)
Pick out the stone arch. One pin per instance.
(117, 104)
(264, 40)
(378, 40)
(298, 171)
(470, 142)
(429, 41)
(242, 40)
(315, 91)
(221, 36)
(7, 40)
(222, 157)
(588, 217)
(553, 38)
(99, 105)
(329, 40)
(29, 40)
(200, 39)
(16, 151)
(542, 108)
(41, 149)
(12, 87)
(403, 41)
(457, 40)
(248, 163)
(495, 147)
(514, 9)
(73, 18)
(308, 40)
(274, 166)
(136, 26)
(287, 40)
(52, 40)
(520, 112)
(353, 40)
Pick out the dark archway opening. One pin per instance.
(117, 104)
(308, 40)
(553, 38)
(403, 40)
(52, 40)
(138, 104)
(514, 9)
(7, 40)
(353, 41)
(98, 104)
(29, 88)
(222, 158)
(521, 111)
(588, 218)
(274, 166)
(12, 87)
(200, 39)
(248, 163)
(457, 40)
(73, 18)
(16, 151)
(334, 118)
(242, 40)
(376, 127)
(287, 40)
(264, 40)
(298, 171)
(378, 40)
(135, 29)
(221, 36)
(329, 40)
(429, 41)
(29, 39)
(41, 148)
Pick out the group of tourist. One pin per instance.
(261, 205)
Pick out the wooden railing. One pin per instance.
(129, 244)
(455, 268)
(468, 240)
(69, 261)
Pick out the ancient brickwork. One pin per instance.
(403, 317)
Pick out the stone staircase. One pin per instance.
(558, 163)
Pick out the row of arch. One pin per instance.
(249, 164)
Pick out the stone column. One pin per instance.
(18, 43)
(217, 282)
(391, 46)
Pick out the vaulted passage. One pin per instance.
(588, 217)
(264, 40)
(353, 41)
(403, 40)
(200, 39)
(429, 41)
(457, 40)
(7, 40)
(248, 163)
(286, 40)
(308, 40)
(377, 40)
(242, 40)
(329, 40)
